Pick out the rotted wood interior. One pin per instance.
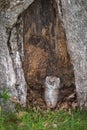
(45, 50)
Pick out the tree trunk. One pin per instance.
(11, 73)
(74, 15)
(34, 43)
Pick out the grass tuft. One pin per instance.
(44, 120)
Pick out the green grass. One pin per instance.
(44, 120)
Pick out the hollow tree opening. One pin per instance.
(45, 51)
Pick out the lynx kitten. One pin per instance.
(52, 85)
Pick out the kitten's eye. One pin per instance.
(50, 83)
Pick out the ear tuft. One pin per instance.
(47, 78)
(58, 79)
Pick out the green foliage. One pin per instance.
(1, 120)
(44, 120)
(4, 95)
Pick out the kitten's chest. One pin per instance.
(50, 93)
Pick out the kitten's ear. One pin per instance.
(46, 81)
(47, 78)
(58, 82)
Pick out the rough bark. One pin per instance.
(45, 50)
(11, 72)
(74, 15)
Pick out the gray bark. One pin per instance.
(74, 15)
(11, 72)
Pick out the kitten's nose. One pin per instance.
(51, 83)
